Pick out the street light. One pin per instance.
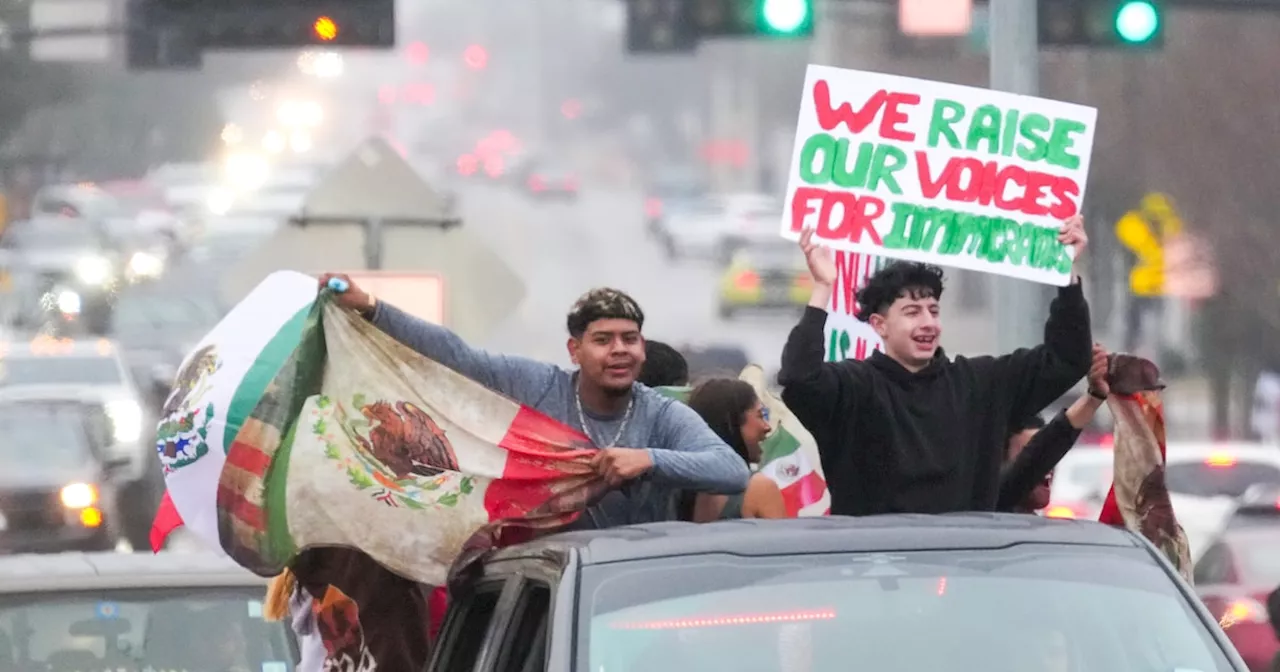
(1137, 21)
(325, 28)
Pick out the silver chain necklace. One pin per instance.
(582, 417)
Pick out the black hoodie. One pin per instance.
(933, 441)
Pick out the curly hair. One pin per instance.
(898, 279)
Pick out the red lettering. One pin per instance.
(801, 206)
(929, 187)
(860, 350)
(1016, 175)
(1037, 183)
(847, 277)
(856, 122)
(1063, 189)
(857, 219)
(957, 190)
(894, 117)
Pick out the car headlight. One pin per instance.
(126, 420)
(220, 202)
(146, 265)
(93, 270)
(68, 302)
(79, 496)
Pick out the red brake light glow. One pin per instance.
(1060, 511)
(719, 621)
(652, 207)
(535, 183)
(1220, 460)
(1244, 610)
(747, 280)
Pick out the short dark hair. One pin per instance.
(602, 303)
(896, 280)
(663, 366)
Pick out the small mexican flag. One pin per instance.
(790, 455)
(216, 388)
(360, 442)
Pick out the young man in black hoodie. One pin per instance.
(908, 429)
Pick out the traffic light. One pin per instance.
(262, 24)
(660, 26)
(159, 38)
(1120, 24)
(753, 18)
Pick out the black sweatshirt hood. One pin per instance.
(900, 375)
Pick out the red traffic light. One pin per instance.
(475, 57)
(325, 28)
(571, 108)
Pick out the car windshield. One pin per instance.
(1026, 607)
(33, 437)
(75, 370)
(52, 235)
(187, 629)
(1219, 478)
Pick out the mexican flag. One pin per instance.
(360, 442)
(216, 388)
(790, 455)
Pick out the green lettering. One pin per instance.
(818, 146)
(945, 113)
(888, 160)
(1019, 250)
(840, 169)
(985, 127)
(1061, 141)
(896, 239)
(1009, 132)
(1065, 261)
(1032, 129)
(941, 222)
(923, 216)
(1044, 253)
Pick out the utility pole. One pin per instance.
(1015, 67)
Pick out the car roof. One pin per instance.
(825, 534)
(30, 573)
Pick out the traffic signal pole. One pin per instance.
(1020, 306)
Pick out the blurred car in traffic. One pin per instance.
(137, 611)
(63, 271)
(547, 180)
(156, 327)
(57, 478)
(714, 360)
(764, 276)
(1192, 470)
(713, 229)
(670, 191)
(1237, 572)
(92, 372)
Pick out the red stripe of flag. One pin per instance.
(803, 492)
(528, 474)
(248, 458)
(241, 509)
(167, 520)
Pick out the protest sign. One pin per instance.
(926, 171)
(846, 336)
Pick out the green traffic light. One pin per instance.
(785, 16)
(1137, 21)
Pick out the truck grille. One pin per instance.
(31, 511)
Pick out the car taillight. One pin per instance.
(1063, 511)
(535, 183)
(747, 280)
(467, 164)
(493, 166)
(1220, 460)
(1243, 610)
(652, 207)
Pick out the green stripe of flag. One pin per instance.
(780, 443)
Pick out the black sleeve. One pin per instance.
(1041, 454)
(1034, 377)
(811, 386)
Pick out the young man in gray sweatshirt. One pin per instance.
(650, 446)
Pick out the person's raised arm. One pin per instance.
(1034, 377)
(763, 499)
(811, 385)
(1046, 449)
(524, 380)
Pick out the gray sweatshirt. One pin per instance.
(686, 453)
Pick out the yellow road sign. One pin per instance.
(1137, 230)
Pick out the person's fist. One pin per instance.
(619, 465)
(354, 298)
(1072, 234)
(1098, 371)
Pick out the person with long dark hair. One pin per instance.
(734, 412)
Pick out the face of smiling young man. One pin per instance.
(910, 328)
